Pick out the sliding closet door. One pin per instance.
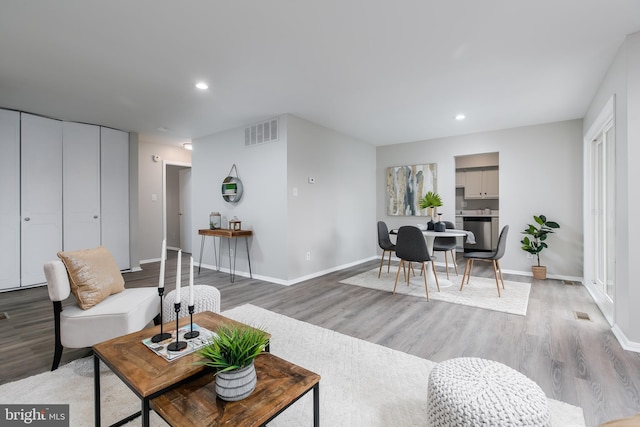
(81, 185)
(41, 195)
(114, 183)
(10, 197)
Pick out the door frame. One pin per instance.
(606, 306)
(166, 163)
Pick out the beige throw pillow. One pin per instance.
(93, 275)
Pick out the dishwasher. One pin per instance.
(480, 226)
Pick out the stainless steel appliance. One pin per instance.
(480, 226)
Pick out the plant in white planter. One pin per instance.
(232, 353)
(536, 243)
(430, 201)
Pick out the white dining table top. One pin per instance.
(432, 233)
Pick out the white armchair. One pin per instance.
(118, 314)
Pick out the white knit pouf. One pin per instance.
(469, 391)
(206, 298)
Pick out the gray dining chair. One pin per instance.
(412, 247)
(448, 246)
(493, 257)
(385, 244)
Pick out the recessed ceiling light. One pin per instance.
(202, 86)
(460, 117)
(187, 146)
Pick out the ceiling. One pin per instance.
(382, 71)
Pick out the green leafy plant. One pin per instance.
(430, 201)
(234, 347)
(538, 232)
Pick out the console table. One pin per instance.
(226, 234)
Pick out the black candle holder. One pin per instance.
(162, 335)
(177, 345)
(192, 333)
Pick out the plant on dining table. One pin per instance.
(430, 201)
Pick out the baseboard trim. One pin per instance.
(625, 342)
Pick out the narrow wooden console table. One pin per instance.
(227, 234)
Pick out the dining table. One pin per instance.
(430, 237)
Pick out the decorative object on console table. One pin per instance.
(215, 220)
(537, 242)
(235, 224)
(430, 201)
(232, 353)
(232, 187)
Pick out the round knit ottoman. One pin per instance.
(205, 298)
(468, 391)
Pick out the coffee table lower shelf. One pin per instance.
(280, 384)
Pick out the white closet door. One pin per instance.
(41, 195)
(10, 197)
(81, 185)
(114, 184)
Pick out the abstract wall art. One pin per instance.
(406, 185)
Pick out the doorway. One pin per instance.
(176, 218)
(600, 212)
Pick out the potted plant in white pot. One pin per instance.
(232, 352)
(536, 243)
(430, 201)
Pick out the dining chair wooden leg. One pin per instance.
(426, 285)
(469, 272)
(446, 263)
(455, 261)
(389, 263)
(401, 265)
(495, 273)
(381, 262)
(464, 275)
(500, 271)
(433, 265)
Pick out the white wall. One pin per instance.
(262, 208)
(150, 183)
(334, 218)
(623, 82)
(540, 173)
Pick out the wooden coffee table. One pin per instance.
(144, 372)
(280, 384)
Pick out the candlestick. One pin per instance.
(163, 257)
(177, 345)
(191, 334)
(178, 276)
(191, 296)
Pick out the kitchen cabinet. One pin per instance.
(460, 179)
(459, 240)
(481, 184)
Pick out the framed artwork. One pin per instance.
(406, 185)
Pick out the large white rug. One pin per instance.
(363, 384)
(479, 292)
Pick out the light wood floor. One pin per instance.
(575, 361)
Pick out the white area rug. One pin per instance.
(479, 292)
(363, 384)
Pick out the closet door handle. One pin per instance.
(27, 219)
(95, 217)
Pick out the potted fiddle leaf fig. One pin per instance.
(232, 352)
(534, 242)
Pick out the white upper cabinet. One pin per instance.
(81, 185)
(41, 195)
(481, 184)
(10, 196)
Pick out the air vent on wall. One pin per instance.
(261, 133)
